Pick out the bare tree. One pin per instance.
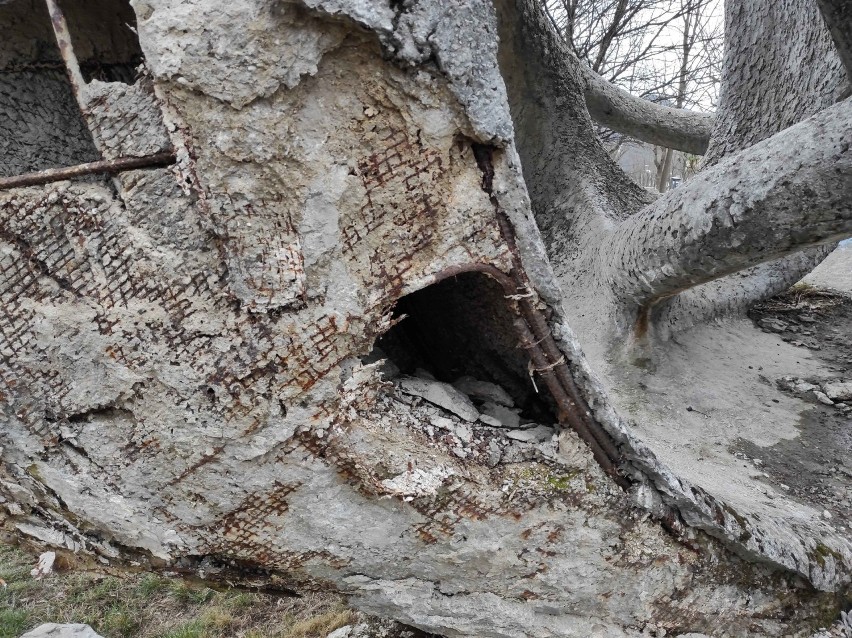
(390, 320)
(699, 58)
(664, 51)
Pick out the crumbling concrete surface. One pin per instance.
(187, 373)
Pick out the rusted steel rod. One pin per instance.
(66, 50)
(543, 336)
(91, 168)
(575, 405)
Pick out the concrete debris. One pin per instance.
(373, 627)
(417, 482)
(441, 394)
(495, 453)
(792, 384)
(442, 422)
(483, 391)
(838, 390)
(823, 398)
(463, 431)
(829, 392)
(486, 441)
(45, 565)
(538, 434)
(387, 368)
(53, 630)
(490, 420)
(507, 417)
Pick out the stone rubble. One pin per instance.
(445, 412)
(506, 417)
(374, 627)
(441, 394)
(538, 434)
(832, 392)
(838, 390)
(483, 391)
(466, 397)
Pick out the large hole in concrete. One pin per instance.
(40, 122)
(462, 327)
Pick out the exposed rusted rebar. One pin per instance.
(542, 332)
(66, 50)
(547, 358)
(91, 168)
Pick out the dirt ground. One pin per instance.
(820, 322)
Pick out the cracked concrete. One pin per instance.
(183, 344)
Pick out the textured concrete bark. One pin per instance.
(191, 357)
(780, 67)
(838, 19)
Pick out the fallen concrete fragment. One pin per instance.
(838, 390)
(823, 398)
(507, 418)
(483, 391)
(441, 394)
(533, 435)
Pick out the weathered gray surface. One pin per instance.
(835, 273)
(754, 206)
(781, 58)
(837, 15)
(185, 348)
(40, 125)
(53, 630)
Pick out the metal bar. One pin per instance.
(544, 336)
(109, 167)
(547, 358)
(66, 50)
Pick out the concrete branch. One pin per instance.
(784, 194)
(615, 108)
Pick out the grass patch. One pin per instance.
(151, 606)
(13, 622)
(321, 625)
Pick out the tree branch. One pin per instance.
(621, 111)
(783, 194)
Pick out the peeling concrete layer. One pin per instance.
(183, 345)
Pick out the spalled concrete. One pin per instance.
(181, 352)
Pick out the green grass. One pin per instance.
(13, 622)
(152, 606)
(192, 629)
